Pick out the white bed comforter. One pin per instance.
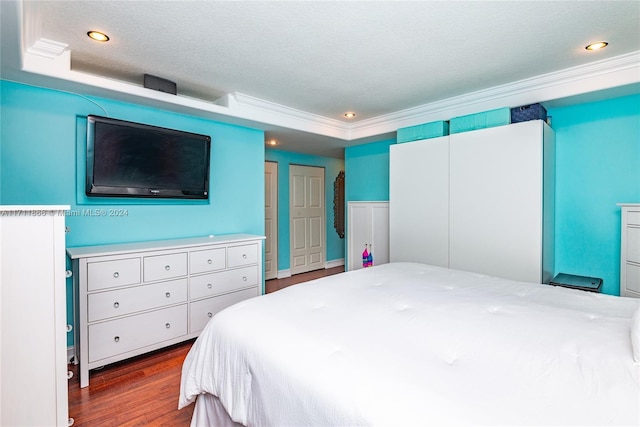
(409, 344)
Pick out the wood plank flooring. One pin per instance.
(143, 391)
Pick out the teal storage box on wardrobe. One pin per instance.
(487, 119)
(424, 131)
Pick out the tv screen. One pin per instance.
(126, 159)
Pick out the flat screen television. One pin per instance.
(126, 159)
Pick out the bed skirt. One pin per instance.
(209, 412)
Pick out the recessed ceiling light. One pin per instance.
(596, 46)
(272, 142)
(350, 115)
(98, 36)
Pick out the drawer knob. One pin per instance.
(244, 278)
(69, 375)
(210, 314)
(210, 261)
(244, 256)
(209, 285)
(116, 274)
(167, 267)
(116, 339)
(116, 304)
(168, 295)
(167, 325)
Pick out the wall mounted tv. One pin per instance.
(126, 159)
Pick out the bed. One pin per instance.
(406, 344)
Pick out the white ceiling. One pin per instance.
(294, 68)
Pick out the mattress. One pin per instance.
(412, 344)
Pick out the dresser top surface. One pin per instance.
(113, 249)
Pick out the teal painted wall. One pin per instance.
(367, 171)
(335, 245)
(597, 166)
(41, 144)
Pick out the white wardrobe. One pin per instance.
(480, 201)
(367, 223)
(33, 326)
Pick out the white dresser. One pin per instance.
(630, 250)
(137, 297)
(33, 318)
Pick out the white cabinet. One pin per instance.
(419, 202)
(630, 251)
(480, 201)
(367, 224)
(137, 297)
(33, 340)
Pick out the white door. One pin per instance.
(419, 201)
(496, 201)
(306, 218)
(271, 220)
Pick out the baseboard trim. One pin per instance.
(334, 263)
(283, 274)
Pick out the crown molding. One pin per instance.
(53, 59)
(600, 75)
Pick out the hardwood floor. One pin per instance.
(143, 391)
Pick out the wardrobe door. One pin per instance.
(419, 201)
(496, 196)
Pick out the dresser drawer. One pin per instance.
(633, 278)
(119, 336)
(201, 311)
(222, 282)
(207, 260)
(160, 267)
(242, 255)
(633, 245)
(633, 217)
(113, 274)
(103, 305)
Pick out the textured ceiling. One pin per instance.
(325, 58)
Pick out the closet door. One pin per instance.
(496, 201)
(419, 201)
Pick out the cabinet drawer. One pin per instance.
(207, 260)
(242, 255)
(222, 282)
(633, 278)
(119, 336)
(161, 267)
(633, 217)
(633, 245)
(112, 274)
(104, 305)
(201, 311)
